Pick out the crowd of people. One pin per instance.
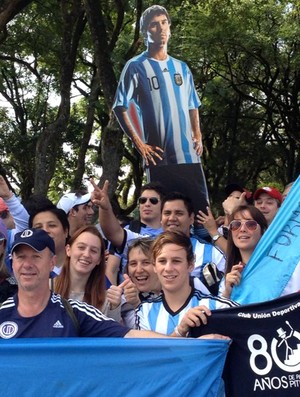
(166, 279)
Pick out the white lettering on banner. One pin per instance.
(272, 314)
(261, 315)
(281, 353)
(262, 351)
(271, 383)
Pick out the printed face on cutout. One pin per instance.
(158, 31)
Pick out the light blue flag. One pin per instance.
(94, 367)
(276, 256)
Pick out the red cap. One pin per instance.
(3, 206)
(271, 191)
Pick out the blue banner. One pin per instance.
(275, 257)
(94, 367)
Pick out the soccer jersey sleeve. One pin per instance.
(126, 87)
(142, 317)
(95, 324)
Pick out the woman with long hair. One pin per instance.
(83, 273)
(246, 228)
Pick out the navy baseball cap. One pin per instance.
(37, 239)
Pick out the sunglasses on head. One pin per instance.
(153, 200)
(236, 225)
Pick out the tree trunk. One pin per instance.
(50, 139)
(111, 138)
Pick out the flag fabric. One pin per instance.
(264, 357)
(276, 256)
(112, 367)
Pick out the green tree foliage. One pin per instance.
(245, 59)
(60, 62)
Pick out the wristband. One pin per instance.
(177, 333)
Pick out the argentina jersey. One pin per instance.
(158, 96)
(156, 315)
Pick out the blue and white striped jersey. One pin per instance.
(158, 96)
(156, 314)
(54, 321)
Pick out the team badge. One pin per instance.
(27, 233)
(178, 78)
(8, 329)
(289, 359)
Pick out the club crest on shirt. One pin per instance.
(8, 329)
(178, 78)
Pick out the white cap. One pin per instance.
(69, 200)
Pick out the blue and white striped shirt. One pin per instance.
(156, 315)
(158, 96)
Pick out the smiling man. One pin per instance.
(268, 200)
(180, 304)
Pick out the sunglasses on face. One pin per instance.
(236, 225)
(153, 200)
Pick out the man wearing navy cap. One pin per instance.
(33, 256)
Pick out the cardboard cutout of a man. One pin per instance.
(157, 105)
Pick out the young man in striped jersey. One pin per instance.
(157, 105)
(180, 306)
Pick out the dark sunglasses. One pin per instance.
(250, 225)
(153, 200)
(4, 214)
